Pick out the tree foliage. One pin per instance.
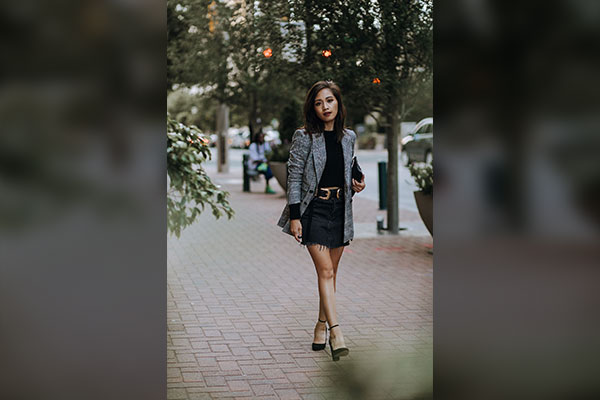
(381, 52)
(227, 61)
(391, 41)
(190, 189)
(192, 109)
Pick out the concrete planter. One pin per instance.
(279, 170)
(425, 207)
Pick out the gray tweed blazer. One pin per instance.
(305, 167)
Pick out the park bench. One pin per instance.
(248, 172)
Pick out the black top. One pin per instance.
(333, 174)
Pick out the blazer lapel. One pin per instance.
(347, 151)
(319, 154)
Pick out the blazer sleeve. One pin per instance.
(353, 136)
(298, 155)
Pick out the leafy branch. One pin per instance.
(190, 189)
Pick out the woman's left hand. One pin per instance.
(358, 186)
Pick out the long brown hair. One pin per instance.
(314, 124)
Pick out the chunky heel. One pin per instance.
(318, 346)
(337, 352)
(335, 358)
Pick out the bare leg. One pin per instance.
(335, 255)
(321, 326)
(323, 260)
(322, 315)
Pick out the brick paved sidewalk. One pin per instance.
(243, 302)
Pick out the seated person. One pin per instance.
(257, 160)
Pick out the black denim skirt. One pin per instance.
(323, 223)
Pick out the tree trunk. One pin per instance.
(253, 124)
(308, 27)
(392, 170)
(222, 145)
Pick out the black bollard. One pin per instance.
(382, 167)
(245, 169)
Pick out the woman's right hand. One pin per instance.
(296, 229)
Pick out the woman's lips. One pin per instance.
(327, 114)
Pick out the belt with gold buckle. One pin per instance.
(325, 193)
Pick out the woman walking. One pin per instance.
(320, 187)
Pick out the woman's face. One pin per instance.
(326, 105)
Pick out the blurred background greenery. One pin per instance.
(259, 58)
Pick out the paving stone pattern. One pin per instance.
(243, 302)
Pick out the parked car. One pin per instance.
(417, 146)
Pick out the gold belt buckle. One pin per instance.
(328, 190)
(328, 194)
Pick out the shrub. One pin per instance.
(423, 176)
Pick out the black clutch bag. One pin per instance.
(356, 171)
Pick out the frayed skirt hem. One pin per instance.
(322, 246)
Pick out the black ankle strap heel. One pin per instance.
(320, 346)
